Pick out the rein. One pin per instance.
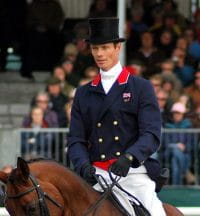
(44, 210)
(137, 205)
(106, 194)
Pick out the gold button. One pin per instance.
(115, 122)
(118, 153)
(116, 138)
(100, 140)
(103, 156)
(99, 124)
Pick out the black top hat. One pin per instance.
(104, 30)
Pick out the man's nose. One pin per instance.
(99, 52)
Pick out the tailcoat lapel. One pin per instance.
(96, 85)
(115, 91)
(112, 95)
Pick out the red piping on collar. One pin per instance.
(96, 81)
(122, 78)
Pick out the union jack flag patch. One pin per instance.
(127, 97)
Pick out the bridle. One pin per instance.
(44, 210)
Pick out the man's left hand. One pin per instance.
(122, 165)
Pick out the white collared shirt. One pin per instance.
(109, 77)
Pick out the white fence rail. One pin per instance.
(52, 143)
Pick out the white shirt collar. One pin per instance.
(109, 77)
(111, 74)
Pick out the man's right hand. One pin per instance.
(88, 172)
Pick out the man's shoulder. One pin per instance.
(138, 80)
(83, 89)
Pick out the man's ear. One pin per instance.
(118, 46)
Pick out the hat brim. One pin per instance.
(105, 41)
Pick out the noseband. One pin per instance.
(44, 210)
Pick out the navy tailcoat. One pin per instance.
(105, 126)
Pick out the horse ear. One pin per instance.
(23, 168)
(3, 177)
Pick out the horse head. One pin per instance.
(26, 195)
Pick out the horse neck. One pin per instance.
(76, 193)
(79, 194)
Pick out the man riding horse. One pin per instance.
(116, 122)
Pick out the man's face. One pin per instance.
(59, 73)
(54, 89)
(167, 67)
(162, 99)
(105, 55)
(147, 40)
(42, 101)
(37, 116)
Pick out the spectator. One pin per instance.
(36, 143)
(194, 50)
(196, 24)
(99, 9)
(84, 58)
(70, 52)
(91, 72)
(59, 73)
(167, 73)
(57, 99)
(167, 66)
(44, 21)
(169, 85)
(135, 67)
(68, 108)
(178, 145)
(135, 26)
(157, 15)
(42, 100)
(164, 105)
(156, 81)
(67, 66)
(170, 6)
(166, 42)
(169, 24)
(183, 70)
(187, 101)
(194, 90)
(195, 117)
(182, 43)
(189, 35)
(148, 54)
(6, 169)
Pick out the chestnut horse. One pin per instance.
(46, 188)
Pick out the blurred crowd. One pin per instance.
(162, 46)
